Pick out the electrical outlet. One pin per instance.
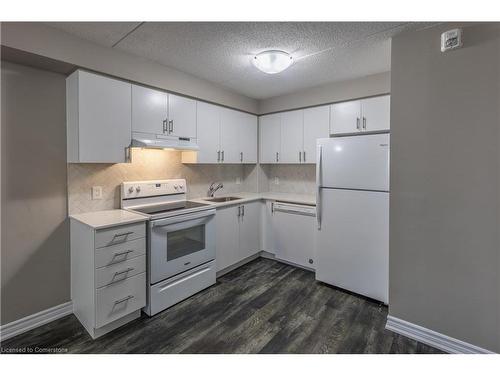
(96, 192)
(238, 180)
(276, 180)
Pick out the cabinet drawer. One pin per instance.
(115, 254)
(117, 300)
(120, 271)
(121, 234)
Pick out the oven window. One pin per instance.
(185, 241)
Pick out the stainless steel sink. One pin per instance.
(221, 199)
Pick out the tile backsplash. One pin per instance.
(151, 164)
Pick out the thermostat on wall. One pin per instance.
(451, 39)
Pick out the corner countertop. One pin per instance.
(108, 218)
(270, 196)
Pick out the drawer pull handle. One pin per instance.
(122, 272)
(122, 234)
(116, 255)
(123, 300)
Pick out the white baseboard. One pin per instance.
(432, 338)
(36, 320)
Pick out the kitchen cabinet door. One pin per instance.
(316, 125)
(249, 230)
(345, 117)
(149, 110)
(376, 113)
(229, 136)
(227, 237)
(98, 118)
(208, 123)
(181, 116)
(248, 138)
(292, 124)
(270, 138)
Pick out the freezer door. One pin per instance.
(352, 250)
(357, 162)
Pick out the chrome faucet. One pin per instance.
(214, 186)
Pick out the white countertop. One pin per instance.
(108, 218)
(274, 196)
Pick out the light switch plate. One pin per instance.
(277, 180)
(96, 192)
(238, 180)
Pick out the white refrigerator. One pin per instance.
(352, 249)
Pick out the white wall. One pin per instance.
(445, 184)
(43, 40)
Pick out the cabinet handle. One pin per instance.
(364, 123)
(122, 272)
(218, 156)
(165, 126)
(239, 211)
(242, 210)
(171, 126)
(300, 156)
(277, 157)
(119, 255)
(357, 123)
(222, 155)
(123, 300)
(304, 158)
(241, 156)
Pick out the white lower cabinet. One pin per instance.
(108, 275)
(238, 234)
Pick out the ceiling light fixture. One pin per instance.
(272, 62)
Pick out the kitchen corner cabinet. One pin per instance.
(365, 115)
(98, 118)
(237, 233)
(225, 136)
(290, 137)
(162, 114)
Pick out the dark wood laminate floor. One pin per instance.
(262, 307)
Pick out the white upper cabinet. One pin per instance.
(346, 117)
(290, 137)
(376, 113)
(365, 115)
(208, 124)
(223, 136)
(270, 138)
(181, 116)
(98, 118)
(247, 138)
(316, 125)
(229, 129)
(292, 124)
(157, 112)
(149, 110)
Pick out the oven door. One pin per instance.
(179, 243)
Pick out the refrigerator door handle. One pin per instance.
(318, 185)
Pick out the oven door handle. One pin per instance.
(182, 218)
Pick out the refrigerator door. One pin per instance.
(357, 162)
(352, 249)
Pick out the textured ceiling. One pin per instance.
(221, 52)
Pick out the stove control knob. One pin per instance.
(181, 187)
(138, 189)
(130, 190)
(176, 187)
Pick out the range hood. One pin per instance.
(156, 141)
